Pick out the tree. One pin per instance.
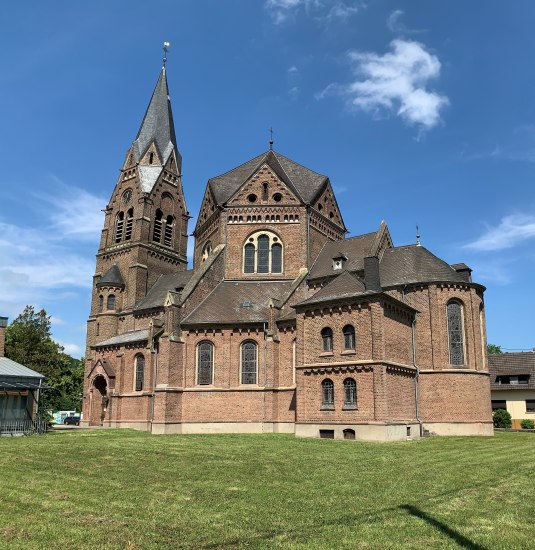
(493, 349)
(29, 342)
(501, 419)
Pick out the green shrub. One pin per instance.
(527, 424)
(501, 419)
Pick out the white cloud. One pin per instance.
(71, 349)
(395, 24)
(294, 92)
(395, 82)
(512, 231)
(322, 10)
(293, 70)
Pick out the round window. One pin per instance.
(251, 197)
(277, 197)
(127, 196)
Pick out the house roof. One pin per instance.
(346, 285)
(355, 249)
(415, 264)
(238, 302)
(512, 364)
(304, 182)
(8, 367)
(125, 338)
(155, 297)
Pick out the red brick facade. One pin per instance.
(154, 363)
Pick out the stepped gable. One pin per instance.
(304, 182)
(345, 285)
(355, 249)
(238, 302)
(512, 364)
(112, 277)
(155, 297)
(415, 264)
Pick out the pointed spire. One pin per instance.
(157, 125)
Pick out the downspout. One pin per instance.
(155, 374)
(265, 377)
(416, 379)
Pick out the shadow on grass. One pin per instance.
(461, 540)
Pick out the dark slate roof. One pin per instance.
(415, 264)
(158, 125)
(304, 182)
(344, 286)
(155, 297)
(511, 364)
(125, 338)
(112, 277)
(354, 249)
(226, 302)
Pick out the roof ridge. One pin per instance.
(236, 167)
(298, 164)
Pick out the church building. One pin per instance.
(282, 324)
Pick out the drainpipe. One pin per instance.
(265, 376)
(155, 374)
(416, 379)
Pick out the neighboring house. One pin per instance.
(19, 390)
(512, 384)
(283, 324)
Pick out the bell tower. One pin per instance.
(146, 221)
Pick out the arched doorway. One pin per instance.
(99, 401)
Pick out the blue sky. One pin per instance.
(420, 112)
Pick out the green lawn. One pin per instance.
(125, 489)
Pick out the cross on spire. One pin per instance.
(271, 139)
(164, 60)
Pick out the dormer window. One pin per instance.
(338, 262)
(151, 158)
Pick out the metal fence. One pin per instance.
(22, 427)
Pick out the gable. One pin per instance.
(208, 207)
(325, 203)
(264, 187)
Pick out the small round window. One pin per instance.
(251, 197)
(277, 197)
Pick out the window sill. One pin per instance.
(327, 408)
(349, 352)
(326, 354)
(350, 408)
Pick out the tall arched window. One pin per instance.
(168, 233)
(249, 362)
(263, 253)
(100, 303)
(455, 332)
(129, 224)
(349, 337)
(327, 339)
(157, 232)
(119, 224)
(111, 302)
(205, 363)
(350, 393)
(139, 372)
(327, 394)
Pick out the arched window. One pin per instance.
(100, 303)
(249, 362)
(206, 251)
(119, 224)
(350, 393)
(349, 337)
(168, 233)
(263, 253)
(455, 332)
(111, 302)
(129, 224)
(139, 372)
(157, 233)
(327, 394)
(151, 158)
(265, 186)
(248, 261)
(327, 339)
(205, 363)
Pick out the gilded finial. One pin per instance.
(164, 60)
